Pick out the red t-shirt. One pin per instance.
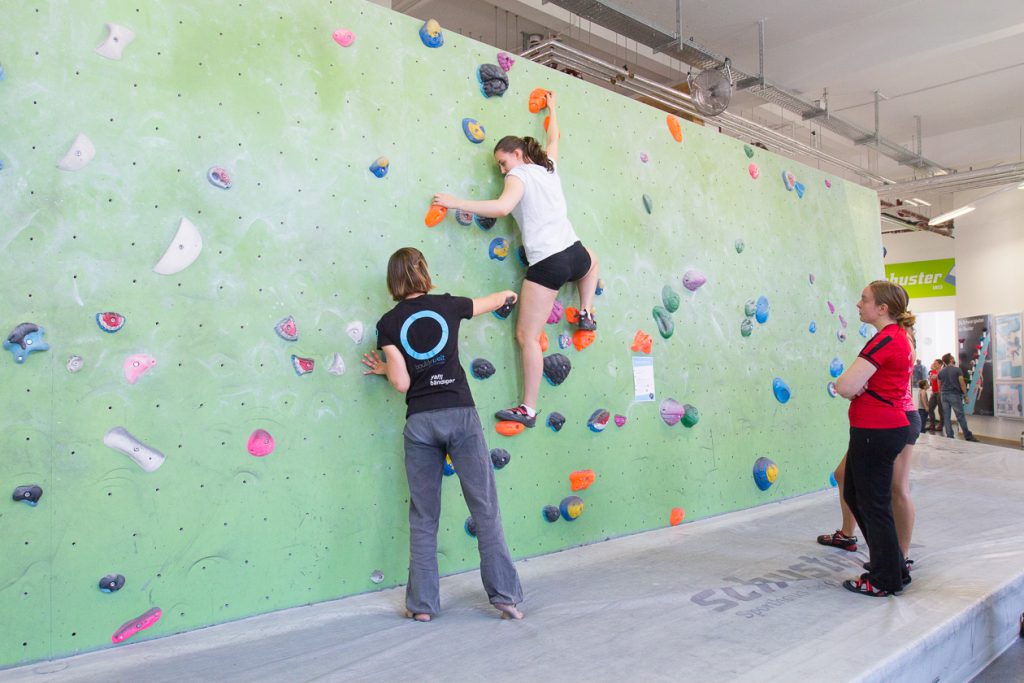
(881, 404)
(933, 377)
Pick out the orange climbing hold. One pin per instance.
(572, 315)
(676, 516)
(581, 339)
(674, 128)
(538, 100)
(547, 120)
(435, 215)
(581, 479)
(509, 428)
(641, 342)
(543, 339)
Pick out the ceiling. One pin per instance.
(958, 66)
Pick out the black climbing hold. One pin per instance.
(521, 253)
(551, 513)
(482, 368)
(111, 583)
(556, 421)
(470, 526)
(28, 494)
(493, 80)
(506, 308)
(556, 368)
(499, 457)
(484, 222)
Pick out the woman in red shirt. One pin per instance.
(876, 384)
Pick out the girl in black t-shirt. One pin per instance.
(420, 340)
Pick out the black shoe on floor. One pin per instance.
(971, 438)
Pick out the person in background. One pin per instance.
(934, 405)
(919, 372)
(922, 400)
(953, 390)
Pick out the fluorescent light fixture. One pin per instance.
(1021, 186)
(921, 201)
(910, 202)
(949, 215)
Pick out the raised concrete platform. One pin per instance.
(743, 597)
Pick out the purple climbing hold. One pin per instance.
(551, 513)
(598, 420)
(556, 421)
(831, 307)
(556, 312)
(219, 177)
(672, 411)
(463, 217)
(505, 61)
(842, 320)
(556, 368)
(29, 494)
(111, 583)
(694, 280)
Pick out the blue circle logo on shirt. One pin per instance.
(403, 337)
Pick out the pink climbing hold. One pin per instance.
(140, 623)
(753, 171)
(620, 420)
(643, 157)
(137, 365)
(556, 312)
(505, 61)
(831, 307)
(344, 37)
(828, 183)
(261, 443)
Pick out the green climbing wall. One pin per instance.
(261, 89)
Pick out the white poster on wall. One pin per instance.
(1009, 364)
(1010, 399)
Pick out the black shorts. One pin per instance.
(914, 418)
(568, 265)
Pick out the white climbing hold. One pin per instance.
(337, 365)
(183, 250)
(117, 40)
(355, 331)
(149, 459)
(78, 157)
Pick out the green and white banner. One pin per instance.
(924, 278)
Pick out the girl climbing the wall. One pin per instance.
(420, 341)
(876, 385)
(533, 195)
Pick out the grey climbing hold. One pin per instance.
(28, 494)
(482, 368)
(499, 458)
(556, 368)
(111, 583)
(146, 457)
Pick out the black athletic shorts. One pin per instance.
(568, 265)
(914, 418)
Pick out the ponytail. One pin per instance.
(533, 153)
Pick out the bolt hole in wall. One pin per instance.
(325, 510)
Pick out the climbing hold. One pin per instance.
(690, 415)
(430, 33)
(598, 420)
(641, 342)
(260, 444)
(302, 366)
(505, 310)
(542, 339)
(750, 308)
(828, 183)
(740, 246)
(2, 74)
(581, 339)
(842, 320)
(286, 329)
(676, 516)
(79, 155)
(761, 314)
(564, 341)
(754, 172)
(509, 428)
(493, 80)
(765, 473)
(648, 203)
(866, 330)
(137, 365)
(380, 168)
(24, 339)
(110, 321)
(463, 217)
(146, 457)
(474, 131)
(484, 222)
(643, 157)
(28, 494)
(788, 180)
(571, 507)
(835, 368)
(813, 327)
(694, 279)
(538, 100)
(470, 526)
(499, 458)
(140, 623)
(674, 128)
(748, 151)
(377, 576)
(799, 187)
(182, 251)
(572, 315)
(831, 307)
(498, 249)
(343, 37)
(781, 390)
(435, 214)
(556, 312)
(832, 479)
(505, 61)
(354, 330)
(118, 38)
(75, 363)
(664, 320)
(841, 334)
(620, 420)
(219, 177)
(672, 411)
(832, 390)
(337, 365)
(111, 583)
(746, 327)
(481, 368)
(810, 278)
(556, 421)
(599, 288)
(581, 479)
(556, 368)
(551, 513)
(670, 299)
(449, 468)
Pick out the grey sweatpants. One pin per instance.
(457, 432)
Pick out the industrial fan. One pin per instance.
(711, 89)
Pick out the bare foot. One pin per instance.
(508, 611)
(417, 616)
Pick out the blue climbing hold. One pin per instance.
(498, 249)
(813, 327)
(380, 167)
(761, 312)
(25, 339)
(430, 33)
(473, 130)
(835, 368)
(832, 479)
(781, 390)
(800, 189)
(867, 331)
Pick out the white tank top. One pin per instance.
(541, 214)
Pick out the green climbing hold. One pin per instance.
(691, 416)
(750, 308)
(670, 298)
(746, 327)
(748, 151)
(664, 319)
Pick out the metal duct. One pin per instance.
(957, 182)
